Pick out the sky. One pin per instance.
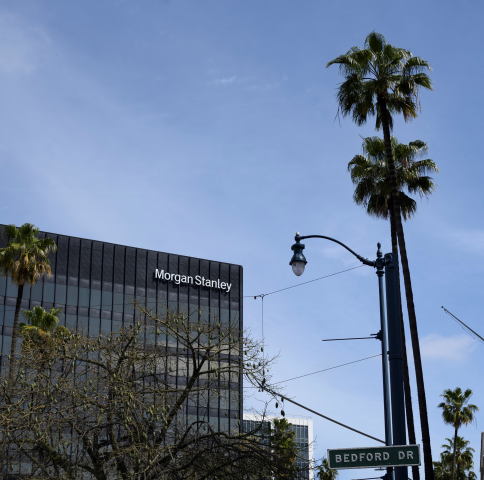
(208, 128)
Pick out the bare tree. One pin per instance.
(124, 405)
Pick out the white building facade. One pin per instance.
(303, 427)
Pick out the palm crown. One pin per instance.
(325, 473)
(464, 457)
(380, 73)
(371, 176)
(456, 410)
(25, 256)
(41, 325)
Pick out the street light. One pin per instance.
(298, 260)
(392, 351)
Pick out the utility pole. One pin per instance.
(482, 456)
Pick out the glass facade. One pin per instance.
(94, 282)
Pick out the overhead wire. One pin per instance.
(324, 370)
(303, 283)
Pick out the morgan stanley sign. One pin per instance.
(198, 280)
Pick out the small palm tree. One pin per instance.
(371, 176)
(464, 456)
(324, 472)
(25, 259)
(42, 325)
(456, 411)
(441, 469)
(383, 81)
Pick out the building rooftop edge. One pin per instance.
(129, 246)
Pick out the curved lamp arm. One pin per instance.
(298, 260)
(370, 263)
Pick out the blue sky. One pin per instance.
(207, 128)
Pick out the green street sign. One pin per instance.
(393, 456)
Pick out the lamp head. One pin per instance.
(298, 260)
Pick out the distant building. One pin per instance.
(303, 426)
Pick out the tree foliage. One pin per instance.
(284, 448)
(123, 405)
(371, 176)
(325, 473)
(457, 411)
(42, 326)
(380, 77)
(464, 461)
(25, 260)
(383, 81)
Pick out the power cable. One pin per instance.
(304, 283)
(324, 370)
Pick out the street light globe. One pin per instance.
(298, 268)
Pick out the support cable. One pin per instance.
(461, 322)
(323, 416)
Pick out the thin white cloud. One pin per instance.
(22, 48)
(225, 81)
(455, 348)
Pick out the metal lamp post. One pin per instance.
(392, 352)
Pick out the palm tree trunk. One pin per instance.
(422, 402)
(406, 379)
(13, 348)
(454, 452)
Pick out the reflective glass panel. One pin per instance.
(128, 304)
(9, 316)
(83, 324)
(12, 289)
(107, 300)
(118, 300)
(84, 297)
(72, 293)
(94, 324)
(61, 294)
(49, 289)
(71, 322)
(96, 299)
(7, 345)
(105, 326)
(36, 291)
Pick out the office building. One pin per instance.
(93, 282)
(302, 426)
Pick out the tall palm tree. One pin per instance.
(25, 260)
(373, 190)
(457, 411)
(382, 81)
(325, 473)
